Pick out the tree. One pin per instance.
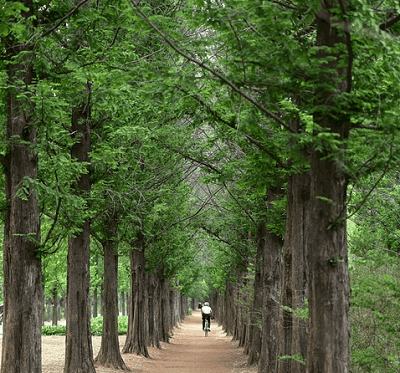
(109, 354)
(23, 289)
(136, 340)
(79, 350)
(329, 291)
(293, 333)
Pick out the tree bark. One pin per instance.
(54, 319)
(329, 291)
(137, 338)
(48, 311)
(165, 316)
(154, 310)
(256, 317)
(95, 302)
(78, 349)
(292, 330)
(23, 289)
(272, 274)
(123, 303)
(109, 355)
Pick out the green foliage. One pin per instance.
(296, 357)
(300, 312)
(59, 330)
(187, 159)
(374, 308)
(96, 327)
(10, 14)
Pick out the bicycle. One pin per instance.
(206, 328)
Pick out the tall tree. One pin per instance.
(136, 339)
(271, 283)
(78, 346)
(293, 330)
(329, 290)
(23, 290)
(109, 354)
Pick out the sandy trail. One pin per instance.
(190, 351)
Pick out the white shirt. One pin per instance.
(206, 310)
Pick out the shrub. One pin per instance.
(54, 330)
(375, 325)
(96, 327)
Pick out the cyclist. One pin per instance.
(206, 314)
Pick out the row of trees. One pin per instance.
(82, 174)
(213, 143)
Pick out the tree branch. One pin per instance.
(213, 72)
(390, 22)
(248, 137)
(293, 7)
(50, 30)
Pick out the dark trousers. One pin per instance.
(207, 317)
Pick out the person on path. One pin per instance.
(206, 314)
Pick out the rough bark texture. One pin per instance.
(256, 317)
(329, 292)
(123, 303)
(78, 348)
(23, 290)
(271, 304)
(109, 354)
(165, 316)
(95, 302)
(292, 330)
(137, 338)
(55, 307)
(230, 316)
(154, 310)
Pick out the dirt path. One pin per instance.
(188, 351)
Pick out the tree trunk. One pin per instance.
(61, 305)
(292, 330)
(137, 338)
(256, 316)
(123, 303)
(165, 316)
(329, 292)
(78, 349)
(23, 289)
(49, 310)
(95, 302)
(230, 310)
(272, 273)
(175, 308)
(109, 355)
(54, 319)
(154, 309)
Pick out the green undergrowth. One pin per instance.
(375, 323)
(96, 326)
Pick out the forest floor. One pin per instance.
(188, 351)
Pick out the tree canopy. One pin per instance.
(214, 128)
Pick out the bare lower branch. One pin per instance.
(390, 22)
